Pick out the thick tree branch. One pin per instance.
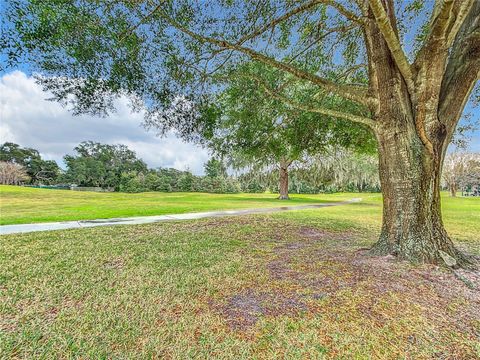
(319, 110)
(449, 16)
(393, 42)
(463, 70)
(422, 134)
(447, 19)
(351, 92)
(430, 65)
(463, 10)
(351, 69)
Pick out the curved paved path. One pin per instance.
(25, 228)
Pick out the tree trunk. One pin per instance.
(360, 186)
(283, 180)
(453, 190)
(412, 226)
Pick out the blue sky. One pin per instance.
(474, 144)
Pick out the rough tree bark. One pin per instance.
(412, 226)
(283, 180)
(413, 135)
(414, 110)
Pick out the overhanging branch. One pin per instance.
(351, 92)
(307, 6)
(342, 28)
(319, 110)
(344, 11)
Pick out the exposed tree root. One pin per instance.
(434, 251)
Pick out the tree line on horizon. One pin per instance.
(118, 168)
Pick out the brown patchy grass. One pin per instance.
(262, 286)
(391, 308)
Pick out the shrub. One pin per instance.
(253, 186)
(132, 182)
(185, 182)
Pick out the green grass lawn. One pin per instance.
(20, 205)
(289, 285)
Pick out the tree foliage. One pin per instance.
(335, 170)
(173, 180)
(37, 169)
(90, 52)
(252, 128)
(215, 168)
(101, 165)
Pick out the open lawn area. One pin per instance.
(294, 285)
(21, 205)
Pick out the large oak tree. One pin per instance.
(410, 93)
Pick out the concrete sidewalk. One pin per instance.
(25, 228)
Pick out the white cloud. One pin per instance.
(27, 118)
(5, 132)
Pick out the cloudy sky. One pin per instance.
(28, 119)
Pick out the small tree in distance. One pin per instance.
(461, 169)
(215, 168)
(12, 174)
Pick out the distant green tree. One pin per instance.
(132, 182)
(185, 181)
(169, 178)
(164, 184)
(343, 170)
(11, 152)
(153, 181)
(101, 165)
(215, 168)
(38, 170)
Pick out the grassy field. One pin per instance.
(290, 285)
(19, 205)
